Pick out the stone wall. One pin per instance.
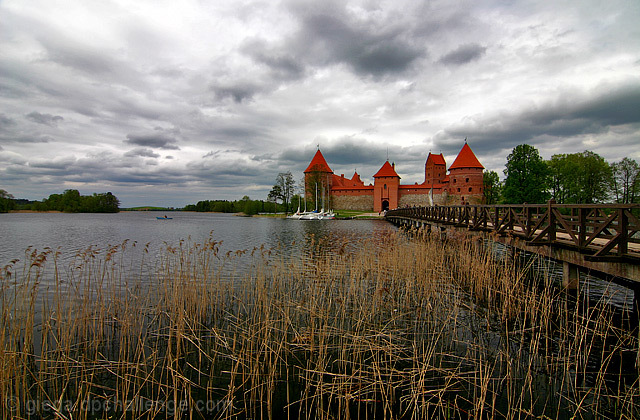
(456, 200)
(421, 200)
(365, 202)
(359, 202)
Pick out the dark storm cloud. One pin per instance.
(348, 154)
(344, 151)
(620, 106)
(463, 54)
(6, 122)
(282, 64)
(252, 131)
(46, 119)
(142, 152)
(54, 165)
(148, 177)
(154, 140)
(239, 91)
(330, 35)
(228, 171)
(103, 168)
(75, 55)
(569, 117)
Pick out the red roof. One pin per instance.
(386, 171)
(318, 164)
(436, 159)
(466, 159)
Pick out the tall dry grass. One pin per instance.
(392, 328)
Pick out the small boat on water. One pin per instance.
(164, 218)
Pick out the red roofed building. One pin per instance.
(386, 188)
(318, 164)
(463, 184)
(465, 174)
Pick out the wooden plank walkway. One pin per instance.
(604, 235)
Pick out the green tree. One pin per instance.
(274, 195)
(72, 202)
(594, 178)
(7, 202)
(286, 188)
(561, 172)
(527, 176)
(249, 206)
(579, 178)
(626, 181)
(491, 187)
(102, 203)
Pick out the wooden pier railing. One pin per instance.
(604, 232)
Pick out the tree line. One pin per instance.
(69, 202)
(245, 205)
(574, 178)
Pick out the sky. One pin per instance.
(172, 102)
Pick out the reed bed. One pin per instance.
(393, 328)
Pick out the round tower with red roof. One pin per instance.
(318, 175)
(465, 177)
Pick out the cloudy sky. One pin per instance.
(172, 102)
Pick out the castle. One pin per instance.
(463, 184)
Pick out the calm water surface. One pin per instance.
(72, 233)
(76, 232)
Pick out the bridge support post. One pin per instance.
(570, 276)
(635, 313)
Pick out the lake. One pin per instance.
(72, 233)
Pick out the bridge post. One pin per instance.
(635, 312)
(570, 276)
(552, 220)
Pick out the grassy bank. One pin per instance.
(399, 328)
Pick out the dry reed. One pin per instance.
(393, 328)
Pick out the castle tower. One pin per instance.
(435, 169)
(385, 188)
(318, 174)
(465, 176)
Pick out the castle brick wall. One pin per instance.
(466, 183)
(357, 202)
(422, 200)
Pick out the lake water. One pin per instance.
(76, 232)
(72, 233)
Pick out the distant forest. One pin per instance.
(245, 205)
(71, 202)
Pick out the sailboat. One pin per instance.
(311, 215)
(297, 214)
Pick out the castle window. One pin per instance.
(467, 181)
(385, 186)
(458, 189)
(470, 189)
(454, 180)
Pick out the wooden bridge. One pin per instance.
(600, 238)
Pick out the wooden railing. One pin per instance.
(603, 231)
